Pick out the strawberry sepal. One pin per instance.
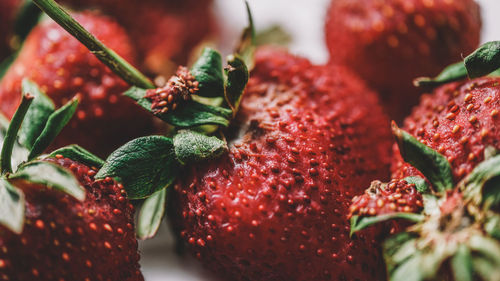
(78, 154)
(434, 166)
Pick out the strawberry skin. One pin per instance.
(63, 68)
(8, 11)
(275, 207)
(389, 43)
(396, 196)
(164, 31)
(64, 239)
(459, 120)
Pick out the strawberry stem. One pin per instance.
(11, 135)
(116, 63)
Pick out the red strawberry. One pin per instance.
(459, 120)
(451, 140)
(165, 32)
(63, 68)
(380, 198)
(65, 239)
(8, 11)
(389, 43)
(275, 207)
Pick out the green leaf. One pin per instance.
(189, 114)
(405, 251)
(53, 127)
(11, 135)
(191, 147)
(36, 117)
(434, 166)
(454, 72)
(461, 264)
(484, 180)
(409, 270)
(359, 223)
(485, 268)
(208, 72)
(151, 214)
(144, 166)
(495, 73)
(492, 226)
(12, 206)
(52, 176)
(19, 153)
(420, 184)
(484, 60)
(79, 154)
(486, 246)
(246, 46)
(397, 242)
(237, 79)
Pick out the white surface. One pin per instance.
(304, 19)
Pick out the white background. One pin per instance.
(304, 19)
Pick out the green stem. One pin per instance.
(116, 63)
(11, 135)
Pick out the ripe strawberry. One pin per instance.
(8, 11)
(165, 32)
(389, 43)
(451, 142)
(459, 120)
(63, 68)
(57, 220)
(275, 206)
(64, 238)
(380, 198)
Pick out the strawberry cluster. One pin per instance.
(264, 159)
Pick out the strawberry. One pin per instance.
(380, 198)
(165, 32)
(274, 207)
(63, 68)
(459, 120)
(64, 238)
(8, 11)
(448, 151)
(389, 43)
(57, 221)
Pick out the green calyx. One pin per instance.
(483, 61)
(458, 231)
(458, 245)
(434, 166)
(148, 165)
(33, 127)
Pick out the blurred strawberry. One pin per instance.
(8, 12)
(389, 43)
(164, 31)
(63, 68)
